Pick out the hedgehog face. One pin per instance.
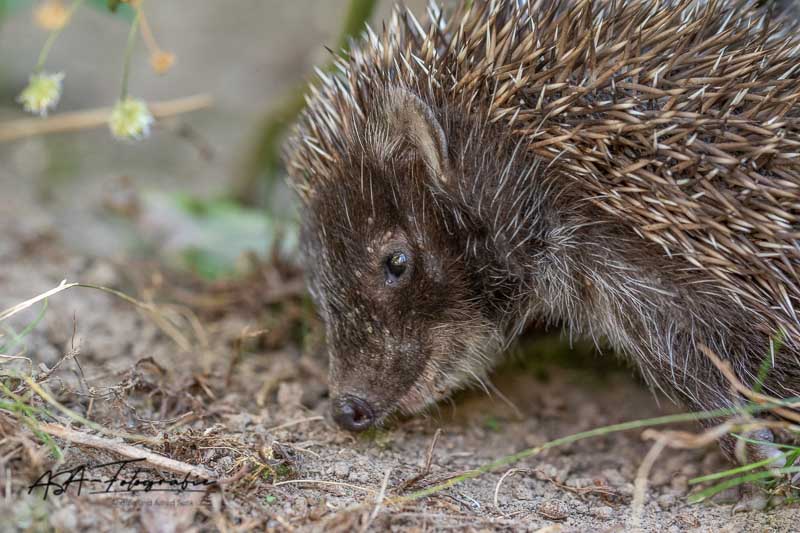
(403, 314)
(402, 321)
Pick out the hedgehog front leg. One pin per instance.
(663, 323)
(752, 497)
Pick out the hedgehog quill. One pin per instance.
(629, 170)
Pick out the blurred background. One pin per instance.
(204, 185)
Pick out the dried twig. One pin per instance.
(602, 490)
(92, 118)
(378, 501)
(18, 358)
(428, 462)
(127, 450)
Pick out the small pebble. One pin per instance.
(666, 501)
(604, 512)
(613, 477)
(341, 470)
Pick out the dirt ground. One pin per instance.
(230, 376)
(238, 387)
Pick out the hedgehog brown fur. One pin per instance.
(629, 169)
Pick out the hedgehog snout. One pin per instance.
(352, 413)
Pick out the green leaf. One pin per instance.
(210, 237)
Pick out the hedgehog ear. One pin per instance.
(413, 118)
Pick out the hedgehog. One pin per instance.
(627, 170)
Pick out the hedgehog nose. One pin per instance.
(352, 413)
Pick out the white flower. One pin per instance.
(42, 93)
(130, 119)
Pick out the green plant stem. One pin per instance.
(51, 39)
(757, 476)
(129, 53)
(605, 430)
(734, 471)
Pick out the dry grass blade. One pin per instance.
(500, 481)
(725, 367)
(378, 501)
(152, 311)
(35, 387)
(8, 313)
(323, 482)
(640, 483)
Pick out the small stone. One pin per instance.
(751, 499)
(626, 489)
(660, 477)
(666, 501)
(546, 471)
(553, 510)
(613, 477)
(604, 512)
(341, 470)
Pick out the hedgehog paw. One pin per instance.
(763, 450)
(751, 498)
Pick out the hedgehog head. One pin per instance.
(406, 319)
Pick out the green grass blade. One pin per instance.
(734, 471)
(757, 476)
(17, 338)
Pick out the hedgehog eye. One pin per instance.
(396, 266)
